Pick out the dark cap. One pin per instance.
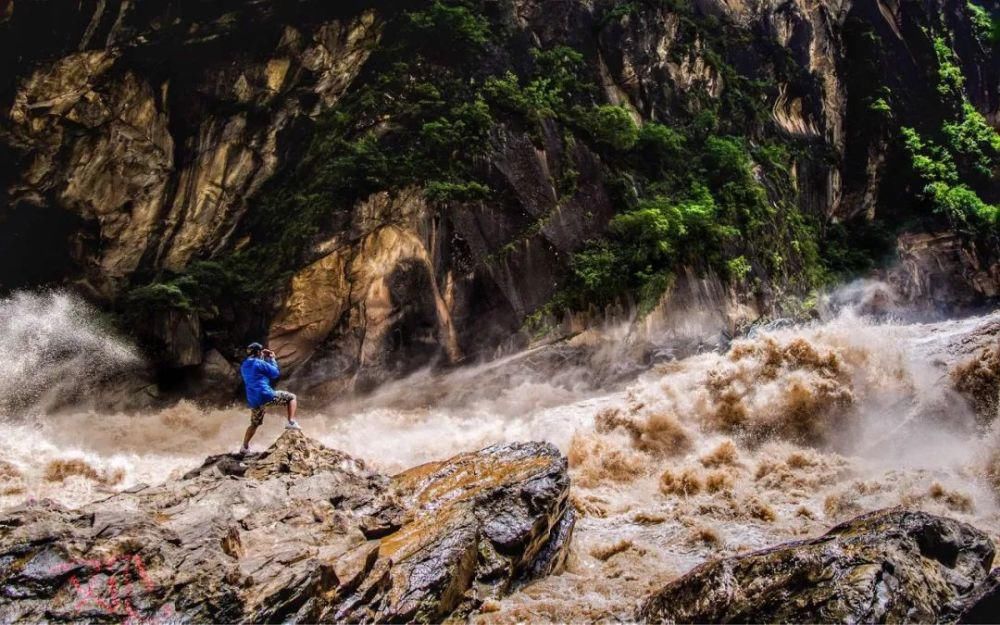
(253, 348)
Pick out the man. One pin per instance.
(259, 370)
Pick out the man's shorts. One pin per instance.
(281, 398)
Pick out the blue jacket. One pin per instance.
(258, 375)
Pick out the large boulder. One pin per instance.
(886, 566)
(299, 533)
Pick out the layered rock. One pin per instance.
(886, 566)
(941, 270)
(299, 533)
(155, 124)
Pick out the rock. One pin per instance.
(886, 566)
(384, 282)
(179, 336)
(943, 271)
(298, 533)
(160, 164)
(983, 604)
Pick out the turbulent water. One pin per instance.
(777, 436)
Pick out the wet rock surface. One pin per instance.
(299, 533)
(886, 566)
(983, 604)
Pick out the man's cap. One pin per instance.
(254, 347)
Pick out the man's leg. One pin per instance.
(256, 418)
(250, 432)
(289, 401)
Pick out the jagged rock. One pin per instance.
(983, 605)
(160, 162)
(929, 264)
(299, 533)
(886, 566)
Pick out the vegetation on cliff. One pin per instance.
(709, 179)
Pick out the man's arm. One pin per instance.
(270, 367)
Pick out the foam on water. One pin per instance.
(778, 437)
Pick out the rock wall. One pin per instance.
(156, 123)
(136, 139)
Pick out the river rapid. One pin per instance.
(698, 453)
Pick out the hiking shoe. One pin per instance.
(243, 451)
(292, 425)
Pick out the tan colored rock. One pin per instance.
(941, 269)
(354, 279)
(123, 171)
(318, 298)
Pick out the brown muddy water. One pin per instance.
(776, 437)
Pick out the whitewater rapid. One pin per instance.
(777, 436)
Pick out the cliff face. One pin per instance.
(376, 187)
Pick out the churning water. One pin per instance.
(777, 436)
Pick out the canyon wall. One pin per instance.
(145, 146)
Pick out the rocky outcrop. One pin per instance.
(299, 533)
(376, 277)
(155, 124)
(942, 271)
(886, 566)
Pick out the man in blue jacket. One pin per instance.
(259, 370)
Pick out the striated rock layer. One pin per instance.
(890, 566)
(299, 533)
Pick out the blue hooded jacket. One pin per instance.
(258, 375)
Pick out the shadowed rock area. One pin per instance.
(888, 566)
(299, 533)
(983, 605)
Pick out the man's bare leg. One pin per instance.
(292, 406)
(250, 432)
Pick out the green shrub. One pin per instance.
(551, 85)
(645, 244)
(982, 22)
(455, 29)
(962, 206)
(974, 138)
(929, 161)
(612, 126)
(157, 296)
(450, 191)
(562, 67)
(726, 159)
(659, 146)
(950, 78)
(536, 101)
(881, 107)
(738, 268)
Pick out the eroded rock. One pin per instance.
(886, 566)
(299, 533)
(983, 604)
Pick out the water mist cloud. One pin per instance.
(52, 347)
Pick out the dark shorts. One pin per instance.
(281, 398)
